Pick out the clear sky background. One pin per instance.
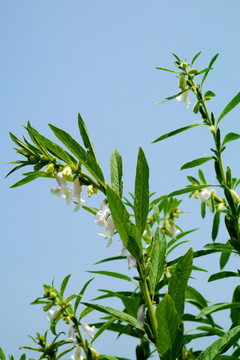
(59, 58)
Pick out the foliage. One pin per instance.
(154, 312)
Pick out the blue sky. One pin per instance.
(98, 58)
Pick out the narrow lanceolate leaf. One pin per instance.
(167, 331)
(230, 137)
(188, 189)
(2, 356)
(64, 284)
(196, 162)
(163, 69)
(179, 279)
(216, 222)
(29, 177)
(86, 138)
(87, 160)
(192, 293)
(141, 198)
(111, 274)
(215, 349)
(222, 275)
(235, 312)
(217, 307)
(55, 149)
(116, 172)
(234, 102)
(175, 132)
(210, 66)
(170, 97)
(195, 57)
(158, 257)
(117, 314)
(128, 232)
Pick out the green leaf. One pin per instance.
(216, 222)
(110, 259)
(217, 307)
(116, 172)
(214, 350)
(230, 137)
(175, 132)
(195, 57)
(128, 232)
(222, 275)
(210, 65)
(211, 330)
(234, 102)
(30, 177)
(141, 193)
(225, 255)
(2, 356)
(203, 209)
(119, 315)
(77, 302)
(159, 68)
(87, 160)
(235, 312)
(64, 284)
(192, 293)
(196, 162)
(158, 257)
(55, 149)
(92, 210)
(86, 138)
(23, 163)
(209, 93)
(177, 58)
(104, 327)
(201, 176)
(179, 279)
(188, 189)
(167, 331)
(111, 274)
(170, 97)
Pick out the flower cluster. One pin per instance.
(66, 192)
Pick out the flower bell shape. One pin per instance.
(102, 214)
(77, 194)
(205, 194)
(132, 262)
(52, 315)
(62, 190)
(88, 329)
(184, 98)
(71, 334)
(140, 317)
(77, 355)
(109, 229)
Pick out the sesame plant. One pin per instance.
(146, 223)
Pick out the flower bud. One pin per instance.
(91, 190)
(95, 353)
(193, 71)
(50, 169)
(48, 306)
(182, 82)
(67, 172)
(235, 196)
(212, 129)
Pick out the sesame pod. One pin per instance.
(212, 118)
(229, 177)
(182, 82)
(218, 171)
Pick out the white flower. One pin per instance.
(77, 355)
(205, 194)
(71, 334)
(88, 329)
(140, 317)
(109, 228)
(77, 194)
(184, 98)
(132, 262)
(53, 314)
(102, 214)
(62, 190)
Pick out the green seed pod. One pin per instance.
(182, 82)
